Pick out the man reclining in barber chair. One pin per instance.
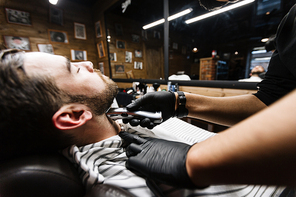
(50, 104)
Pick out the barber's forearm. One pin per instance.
(259, 150)
(222, 110)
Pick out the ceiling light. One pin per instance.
(184, 12)
(262, 58)
(258, 52)
(194, 50)
(264, 39)
(53, 2)
(233, 6)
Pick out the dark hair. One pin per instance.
(27, 105)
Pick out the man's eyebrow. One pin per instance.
(68, 63)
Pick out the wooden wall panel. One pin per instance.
(129, 28)
(38, 32)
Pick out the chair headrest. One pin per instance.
(40, 175)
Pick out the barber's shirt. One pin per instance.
(104, 162)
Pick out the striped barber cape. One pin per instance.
(104, 162)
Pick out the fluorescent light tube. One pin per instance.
(258, 52)
(187, 11)
(230, 7)
(54, 2)
(153, 24)
(184, 12)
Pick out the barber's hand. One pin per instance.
(160, 160)
(154, 102)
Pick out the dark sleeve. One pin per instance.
(280, 79)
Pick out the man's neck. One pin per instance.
(97, 129)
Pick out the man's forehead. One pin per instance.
(36, 62)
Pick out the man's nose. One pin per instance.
(88, 65)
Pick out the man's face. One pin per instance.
(73, 78)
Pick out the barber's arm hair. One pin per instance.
(258, 150)
(222, 110)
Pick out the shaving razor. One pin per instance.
(123, 113)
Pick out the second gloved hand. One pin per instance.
(160, 160)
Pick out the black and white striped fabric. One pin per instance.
(104, 162)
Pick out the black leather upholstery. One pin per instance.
(105, 190)
(40, 175)
(48, 175)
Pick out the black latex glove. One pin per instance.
(160, 160)
(154, 102)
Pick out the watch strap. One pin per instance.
(181, 111)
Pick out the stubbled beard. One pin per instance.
(98, 103)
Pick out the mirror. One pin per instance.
(135, 53)
(231, 42)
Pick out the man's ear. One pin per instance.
(71, 116)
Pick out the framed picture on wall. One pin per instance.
(101, 50)
(17, 42)
(138, 53)
(138, 65)
(58, 36)
(119, 68)
(113, 57)
(56, 15)
(118, 29)
(98, 29)
(78, 55)
(101, 67)
(46, 48)
(128, 57)
(79, 31)
(130, 74)
(135, 38)
(120, 44)
(18, 17)
(156, 34)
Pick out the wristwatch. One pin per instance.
(181, 111)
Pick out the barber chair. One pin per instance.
(48, 175)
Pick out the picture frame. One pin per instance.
(18, 17)
(101, 50)
(138, 65)
(45, 48)
(113, 57)
(138, 53)
(56, 15)
(156, 34)
(135, 38)
(144, 35)
(130, 74)
(120, 44)
(57, 36)
(101, 67)
(128, 57)
(175, 45)
(79, 31)
(78, 55)
(184, 50)
(118, 29)
(17, 42)
(119, 68)
(98, 29)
